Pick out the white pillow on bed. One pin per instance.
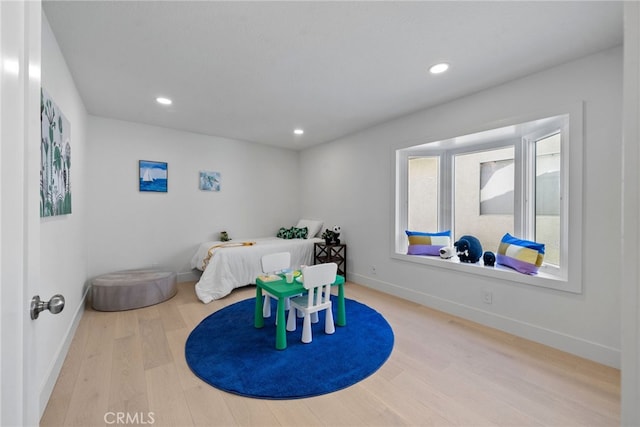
(312, 225)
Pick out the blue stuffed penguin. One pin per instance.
(469, 249)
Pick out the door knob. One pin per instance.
(54, 305)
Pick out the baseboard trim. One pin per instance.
(577, 346)
(189, 276)
(56, 366)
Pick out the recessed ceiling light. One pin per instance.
(298, 131)
(439, 68)
(163, 101)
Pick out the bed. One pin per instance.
(229, 265)
(237, 263)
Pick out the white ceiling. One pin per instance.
(254, 71)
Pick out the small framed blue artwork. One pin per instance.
(209, 181)
(153, 176)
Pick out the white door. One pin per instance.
(19, 208)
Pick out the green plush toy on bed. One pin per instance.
(224, 236)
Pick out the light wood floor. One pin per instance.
(443, 371)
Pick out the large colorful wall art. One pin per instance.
(55, 159)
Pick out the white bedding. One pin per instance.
(235, 266)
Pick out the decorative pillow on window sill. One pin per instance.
(421, 243)
(524, 256)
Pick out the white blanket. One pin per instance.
(234, 266)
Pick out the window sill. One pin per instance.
(540, 279)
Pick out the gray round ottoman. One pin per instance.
(129, 289)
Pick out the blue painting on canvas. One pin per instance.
(209, 181)
(153, 176)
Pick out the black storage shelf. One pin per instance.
(324, 253)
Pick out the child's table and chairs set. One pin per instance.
(307, 291)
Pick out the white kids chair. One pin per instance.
(317, 279)
(271, 264)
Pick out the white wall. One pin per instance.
(359, 181)
(132, 229)
(63, 246)
(630, 381)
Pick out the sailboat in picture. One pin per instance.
(147, 176)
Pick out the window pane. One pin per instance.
(548, 197)
(496, 187)
(484, 188)
(423, 194)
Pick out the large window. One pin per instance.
(512, 179)
(423, 193)
(548, 196)
(483, 188)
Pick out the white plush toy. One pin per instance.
(447, 252)
(336, 234)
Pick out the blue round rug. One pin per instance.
(228, 352)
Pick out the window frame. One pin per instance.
(529, 214)
(493, 145)
(533, 127)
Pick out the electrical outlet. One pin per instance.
(487, 297)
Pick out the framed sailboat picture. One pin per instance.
(153, 176)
